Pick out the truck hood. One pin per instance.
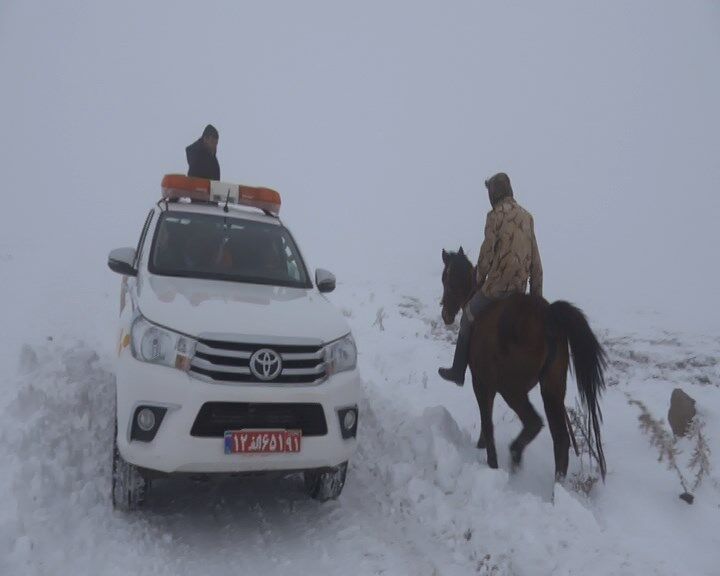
(231, 310)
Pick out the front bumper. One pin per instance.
(174, 449)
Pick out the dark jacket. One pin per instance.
(202, 163)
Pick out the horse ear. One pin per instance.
(445, 257)
(461, 251)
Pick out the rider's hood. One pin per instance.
(499, 188)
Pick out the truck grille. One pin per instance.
(230, 362)
(215, 418)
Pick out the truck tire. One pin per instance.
(129, 487)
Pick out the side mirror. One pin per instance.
(324, 280)
(121, 261)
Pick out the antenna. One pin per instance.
(227, 199)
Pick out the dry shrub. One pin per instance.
(666, 444)
(585, 479)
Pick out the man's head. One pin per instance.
(210, 138)
(498, 187)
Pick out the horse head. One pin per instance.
(458, 282)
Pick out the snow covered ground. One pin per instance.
(419, 499)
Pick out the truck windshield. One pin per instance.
(226, 248)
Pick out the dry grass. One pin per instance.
(379, 319)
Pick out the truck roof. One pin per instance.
(234, 211)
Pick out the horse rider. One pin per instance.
(509, 258)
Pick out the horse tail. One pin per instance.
(588, 361)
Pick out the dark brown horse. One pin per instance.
(517, 342)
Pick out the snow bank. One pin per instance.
(54, 445)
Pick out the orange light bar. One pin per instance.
(263, 198)
(176, 186)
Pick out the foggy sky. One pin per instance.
(378, 123)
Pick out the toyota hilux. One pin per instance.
(230, 358)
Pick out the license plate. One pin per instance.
(262, 441)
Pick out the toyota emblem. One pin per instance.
(265, 364)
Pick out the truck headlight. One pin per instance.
(340, 355)
(156, 345)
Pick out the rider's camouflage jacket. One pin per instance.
(509, 256)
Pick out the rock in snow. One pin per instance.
(682, 411)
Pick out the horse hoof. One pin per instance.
(492, 462)
(560, 477)
(481, 443)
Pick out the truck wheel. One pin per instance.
(326, 483)
(129, 488)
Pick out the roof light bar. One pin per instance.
(176, 186)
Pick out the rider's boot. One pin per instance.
(460, 361)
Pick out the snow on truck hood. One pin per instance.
(206, 307)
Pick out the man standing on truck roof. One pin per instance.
(202, 155)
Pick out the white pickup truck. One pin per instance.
(230, 359)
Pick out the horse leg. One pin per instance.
(477, 388)
(481, 443)
(485, 400)
(555, 412)
(531, 421)
(552, 388)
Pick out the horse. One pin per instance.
(517, 342)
